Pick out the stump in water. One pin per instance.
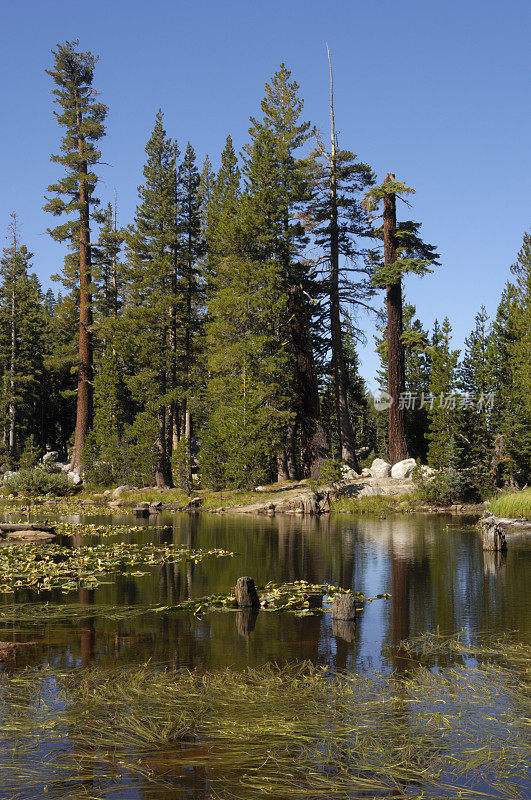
(246, 594)
(344, 607)
(492, 535)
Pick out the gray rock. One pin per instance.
(120, 490)
(52, 456)
(75, 478)
(365, 473)
(349, 474)
(380, 468)
(403, 469)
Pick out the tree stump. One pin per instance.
(141, 510)
(344, 607)
(246, 594)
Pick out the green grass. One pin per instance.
(377, 505)
(286, 733)
(514, 505)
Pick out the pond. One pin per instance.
(433, 567)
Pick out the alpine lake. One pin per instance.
(140, 679)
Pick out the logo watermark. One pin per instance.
(410, 401)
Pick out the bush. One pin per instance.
(448, 486)
(38, 482)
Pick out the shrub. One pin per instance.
(448, 486)
(38, 482)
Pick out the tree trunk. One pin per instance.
(163, 477)
(84, 376)
(12, 406)
(345, 430)
(291, 459)
(316, 440)
(396, 371)
(282, 465)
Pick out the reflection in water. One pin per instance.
(246, 620)
(434, 569)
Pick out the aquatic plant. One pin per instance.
(291, 732)
(33, 566)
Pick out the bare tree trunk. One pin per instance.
(84, 378)
(316, 440)
(13, 359)
(291, 459)
(163, 477)
(282, 465)
(345, 430)
(396, 370)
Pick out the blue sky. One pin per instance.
(436, 92)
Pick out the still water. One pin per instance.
(432, 566)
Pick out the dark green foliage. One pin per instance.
(450, 485)
(441, 414)
(38, 482)
(30, 455)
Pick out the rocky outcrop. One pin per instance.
(369, 487)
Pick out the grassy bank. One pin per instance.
(512, 505)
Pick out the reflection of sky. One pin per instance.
(443, 580)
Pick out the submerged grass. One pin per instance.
(276, 732)
(513, 505)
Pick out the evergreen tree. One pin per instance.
(21, 344)
(151, 252)
(275, 174)
(82, 118)
(477, 384)
(442, 449)
(338, 182)
(404, 252)
(107, 270)
(191, 250)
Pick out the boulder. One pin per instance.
(119, 491)
(365, 473)
(403, 469)
(349, 474)
(380, 468)
(75, 478)
(51, 457)
(142, 509)
(31, 536)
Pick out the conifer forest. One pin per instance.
(213, 337)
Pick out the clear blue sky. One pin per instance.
(436, 92)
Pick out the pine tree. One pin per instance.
(151, 252)
(82, 118)
(191, 251)
(274, 173)
(21, 344)
(442, 413)
(107, 269)
(476, 381)
(404, 252)
(338, 182)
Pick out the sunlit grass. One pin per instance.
(376, 505)
(512, 505)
